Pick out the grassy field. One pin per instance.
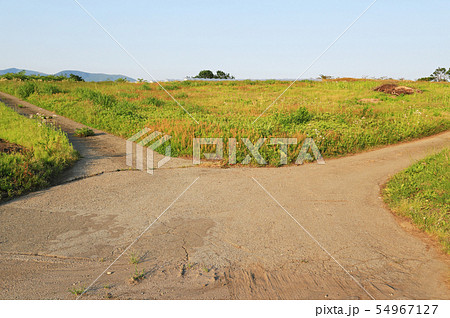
(44, 153)
(331, 112)
(422, 193)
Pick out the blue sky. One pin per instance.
(249, 39)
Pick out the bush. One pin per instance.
(153, 101)
(207, 74)
(107, 101)
(49, 89)
(26, 90)
(300, 116)
(121, 80)
(75, 78)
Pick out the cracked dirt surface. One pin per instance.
(225, 237)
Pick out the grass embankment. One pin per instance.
(422, 193)
(333, 113)
(42, 153)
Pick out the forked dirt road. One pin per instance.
(225, 237)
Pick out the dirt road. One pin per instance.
(298, 232)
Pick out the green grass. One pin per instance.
(77, 290)
(47, 153)
(330, 112)
(135, 258)
(422, 193)
(137, 275)
(84, 132)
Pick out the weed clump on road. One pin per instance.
(137, 276)
(77, 291)
(135, 258)
(84, 132)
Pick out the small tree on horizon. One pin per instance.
(75, 78)
(121, 80)
(441, 74)
(223, 75)
(325, 77)
(207, 74)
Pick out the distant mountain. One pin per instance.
(88, 77)
(95, 77)
(16, 70)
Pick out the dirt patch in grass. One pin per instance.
(394, 89)
(370, 100)
(8, 147)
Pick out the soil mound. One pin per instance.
(394, 89)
